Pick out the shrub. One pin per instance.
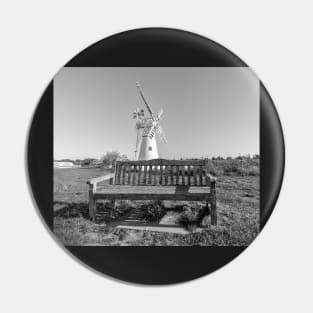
(87, 162)
(110, 157)
(192, 216)
(154, 211)
(242, 166)
(213, 169)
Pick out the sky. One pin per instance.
(208, 111)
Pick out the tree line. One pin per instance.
(244, 165)
(107, 159)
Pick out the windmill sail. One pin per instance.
(156, 128)
(144, 100)
(160, 115)
(161, 133)
(147, 130)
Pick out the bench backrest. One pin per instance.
(161, 172)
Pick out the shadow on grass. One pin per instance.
(106, 211)
(69, 209)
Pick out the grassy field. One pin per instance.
(237, 205)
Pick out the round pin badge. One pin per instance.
(155, 156)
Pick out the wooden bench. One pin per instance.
(156, 179)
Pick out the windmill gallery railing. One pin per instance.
(156, 179)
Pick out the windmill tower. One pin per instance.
(150, 127)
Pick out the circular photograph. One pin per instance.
(155, 156)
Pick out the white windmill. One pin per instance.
(151, 127)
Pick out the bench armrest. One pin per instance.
(96, 180)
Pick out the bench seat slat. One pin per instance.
(166, 175)
(139, 175)
(128, 174)
(201, 176)
(145, 175)
(155, 171)
(188, 173)
(161, 176)
(123, 168)
(150, 175)
(195, 174)
(117, 174)
(171, 174)
(134, 174)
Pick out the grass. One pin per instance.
(69, 184)
(237, 205)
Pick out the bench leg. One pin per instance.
(213, 205)
(92, 204)
(92, 212)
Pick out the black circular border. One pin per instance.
(154, 47)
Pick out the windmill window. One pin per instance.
(150, 148)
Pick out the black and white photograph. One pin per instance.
(156, 156)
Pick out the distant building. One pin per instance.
(61, 164)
